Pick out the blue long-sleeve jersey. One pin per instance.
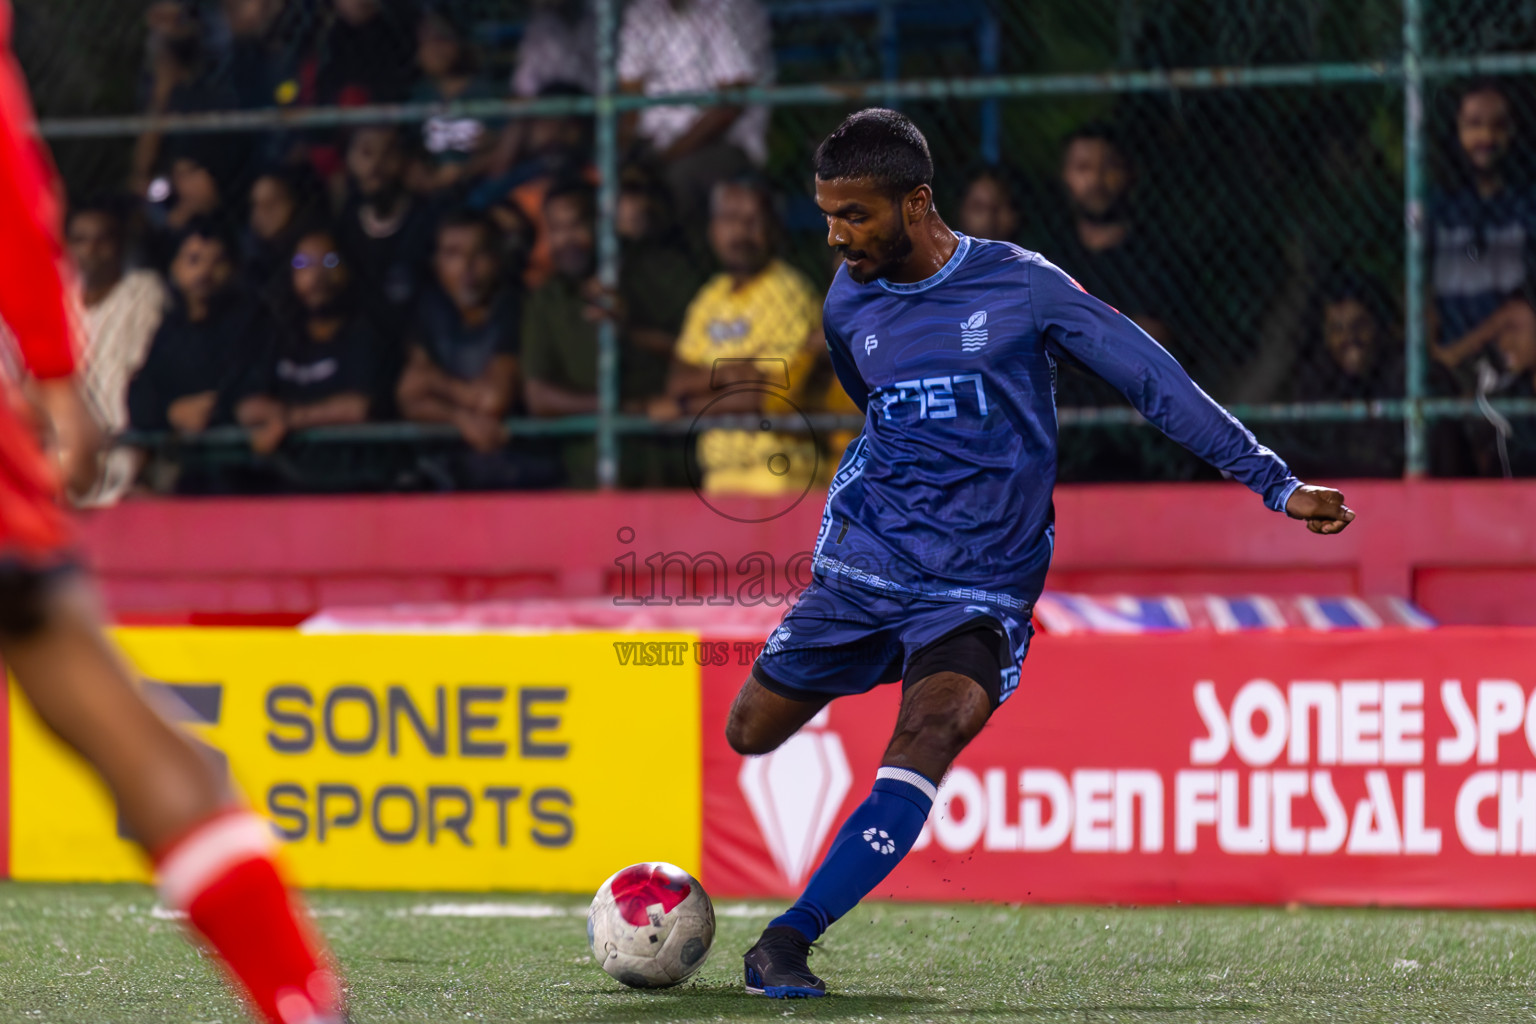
(946, 493)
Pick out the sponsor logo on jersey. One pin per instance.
(870, 344)
(973, 332)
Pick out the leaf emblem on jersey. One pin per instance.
(978, 319)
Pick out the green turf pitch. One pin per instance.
(102, 954)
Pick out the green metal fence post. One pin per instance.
(607, 244)
(1414, 335)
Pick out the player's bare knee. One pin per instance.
(746, 738)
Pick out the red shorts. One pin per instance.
(34, 528)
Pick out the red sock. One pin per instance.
(222, 874)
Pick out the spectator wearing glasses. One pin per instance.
(328, 365)
(284, 202)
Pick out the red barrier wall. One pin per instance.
(1465, 550)
(1321, 768)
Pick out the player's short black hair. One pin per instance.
(575, 188)
(880, 146)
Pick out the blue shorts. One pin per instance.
(839, 641)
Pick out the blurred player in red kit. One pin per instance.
(213, 858)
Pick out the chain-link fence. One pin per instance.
(498, 244)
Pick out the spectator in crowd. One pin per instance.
(1481, 229)
(366, 54)
(989, 206)
(1481, 232)
(1497, 446)
(560, 332)
(193, 189)
(645, 209)
(284, 202)
(179, 79)
(120, 310)
(326, 369)
(670, 46)
(537, 152)
(462, 367)
(748, 344)
(559, 47)
(1354, 355)
(1514, 376)
(266, 42)
(385, 231)
(458, 148)
(202, 359)
(1103, 247)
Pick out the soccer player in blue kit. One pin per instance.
(939, 526)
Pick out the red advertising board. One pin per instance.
(1393, 767)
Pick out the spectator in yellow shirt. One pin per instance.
(749, 342)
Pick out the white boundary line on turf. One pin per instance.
(544, 910)
(491, 910)
(161, 913)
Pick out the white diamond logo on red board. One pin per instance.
(795, 794)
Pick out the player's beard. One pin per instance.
(885, 262)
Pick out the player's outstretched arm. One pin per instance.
(1322, 508)
(1092, 331)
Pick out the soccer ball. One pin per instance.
(651, 925)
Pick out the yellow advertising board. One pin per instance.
(533, 763)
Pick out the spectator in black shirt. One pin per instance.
(326, 368)
(462, 367)
(193, 188)
(1353, 356)
(201, 362)
(1103, 247)
(367, 55)
(385, 231)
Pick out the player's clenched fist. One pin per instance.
(1322, 507)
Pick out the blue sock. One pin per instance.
(871, 842)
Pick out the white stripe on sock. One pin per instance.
(201, 858)
(911, 778)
